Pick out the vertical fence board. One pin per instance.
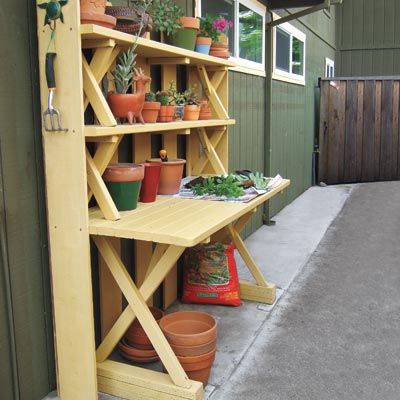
(359, 130)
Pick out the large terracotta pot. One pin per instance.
(186, 37)
(205, 111)
(137, 337)
(94, 6)
(221, 48)
(150, 111)
(185, 351)
(127, 105)
(189, 328)
(191, 113)
(166, 114)
(198, 368)
(171, 175)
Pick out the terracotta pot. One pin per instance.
(220, 54)
(150, 111)
(203, 40)
(93, 6)
(189, 328)
(190, 22)
(132, 351)
(186, 351)
(136, 336)
(149, 189)
(171, 175)
(191, 113)
(220, 49)
(128, 105)
(203, 44)
(166, 114)
(98, 19)
(205, 111)
(123, 182)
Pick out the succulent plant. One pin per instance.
(166, 15)
(124, 71)
(150, 96)
(259, 181)
(191, 96)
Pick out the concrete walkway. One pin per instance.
(281, 251)
(335, 335)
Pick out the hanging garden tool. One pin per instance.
(51, 116)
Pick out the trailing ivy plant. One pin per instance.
(227, 186)
(166, 15)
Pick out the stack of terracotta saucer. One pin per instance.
(136, 346)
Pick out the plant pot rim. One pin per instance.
(204, 40)
(150, 105)
(190, 22)
(171, 161)
(199, 358)
(126, 348)
(124, 172)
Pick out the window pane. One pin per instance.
(250, 34)
(297, 56)
(226, 9)
(282, 50)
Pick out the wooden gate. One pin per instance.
(359, 130)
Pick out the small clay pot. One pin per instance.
(190, 22)
(189, 328)
(171, 175)
(136, 336)
(166, 114)
(205, 111)
(93, 6)
(150, 111)
(203, 44)
(192, 113)
(220, 53)
(185, 351)
(107, 21)
(132, 351)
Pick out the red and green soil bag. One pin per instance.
(210, 275)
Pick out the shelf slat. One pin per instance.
(171, 220)
(99, 131)
(150, 48)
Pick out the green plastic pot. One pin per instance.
(186, 37)
(123, 181)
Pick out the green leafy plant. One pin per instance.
(176, 97)
(162, 97)
(259, 181)
(207, 29)
(227, 186)
(150, 96)
(191, 96)
(124, 71)
(166, 15)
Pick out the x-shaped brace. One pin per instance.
(164, 258)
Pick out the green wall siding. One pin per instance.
(246, 138)
(368, 38)
(294, 113)
(25, 249)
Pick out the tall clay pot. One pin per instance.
(149, 189)
(221, 48)
(186, 37)
(123, 182)
(171, 175)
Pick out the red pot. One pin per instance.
(166, 114)
(150, 111)
(148, 191)
(127, 105)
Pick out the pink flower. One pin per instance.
(222, 24)
(230, 24)
(215, 24)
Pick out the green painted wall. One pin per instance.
(25, 315)
(294, 115)
(368, 38)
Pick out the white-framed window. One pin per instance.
(329, 68)
(247, 38)
(289, 54)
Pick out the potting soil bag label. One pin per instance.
(210, 275)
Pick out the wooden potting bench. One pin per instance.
(161, 230)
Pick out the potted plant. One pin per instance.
(151, 107)
(192, 108)
(205, 110)
(178, 99)
(220, 46)
(93, 12)
(133, 18)
(207, 34)
(177, 29)
(124, 104)
(166, 110)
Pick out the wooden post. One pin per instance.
(66, 189)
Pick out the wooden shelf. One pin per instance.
(97, 130)
(160, 52)
(170, 220)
